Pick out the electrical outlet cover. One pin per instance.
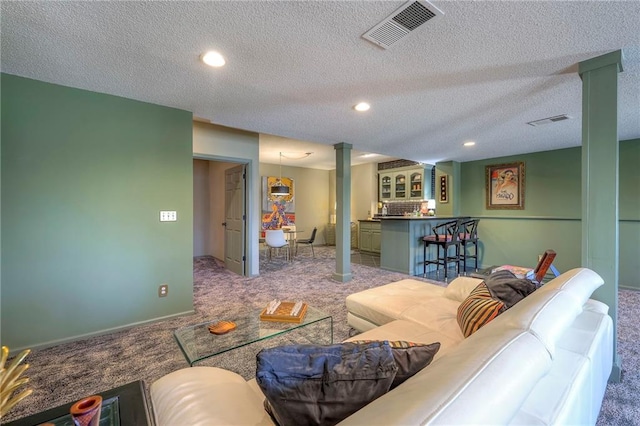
(163, 290)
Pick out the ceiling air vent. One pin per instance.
(549, 120)
(401, 22)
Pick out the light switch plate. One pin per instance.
(168, 216)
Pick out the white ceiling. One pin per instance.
(321, 156)
(295, 69)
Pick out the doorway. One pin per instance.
(219, 212)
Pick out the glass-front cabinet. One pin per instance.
(400, 186)
(385, 186)
(408, 183)
(416, 180)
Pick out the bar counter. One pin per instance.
(402, 249)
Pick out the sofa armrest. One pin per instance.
(206, 396)
(596, 306)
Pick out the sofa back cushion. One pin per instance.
(549, 311)
(459, 288)
(493, 365)
(580, 283)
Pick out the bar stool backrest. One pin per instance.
(469, 230)
(448, 231)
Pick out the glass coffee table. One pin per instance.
(198, 344)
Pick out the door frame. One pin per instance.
(251, 245)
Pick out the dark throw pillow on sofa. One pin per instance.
(506, 287)
(478, 309)
(410, 357)
(323, 384)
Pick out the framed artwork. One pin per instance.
(444, 192)
(277, 210)
(505, 186)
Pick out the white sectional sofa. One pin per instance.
(546, 360)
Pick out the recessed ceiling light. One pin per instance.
(470, 143)
(369, 154)
(213, 59)
(362, 106)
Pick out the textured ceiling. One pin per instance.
(295, 69)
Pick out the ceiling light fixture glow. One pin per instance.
(213, 59)
(295, 155)
(362, 106)
(470, 143)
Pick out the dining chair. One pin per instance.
(274, 239)
(308, 242)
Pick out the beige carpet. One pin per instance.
(66, 373)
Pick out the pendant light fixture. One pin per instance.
(279, 188)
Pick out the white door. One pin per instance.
(234, 202)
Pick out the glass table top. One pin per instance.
(197, 343)
(109, 415)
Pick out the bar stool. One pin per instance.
(445, 236)
(469, 235)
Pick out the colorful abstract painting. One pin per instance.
(277, 210)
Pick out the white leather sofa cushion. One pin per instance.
(410, 332)
(494, 368)
(546, 315)
(440, 315)
(386, 303)
(202, 396)
(459, 288)
(579, 282)
(549, 311)
(572, 392)
(596, 306)
(360, 324)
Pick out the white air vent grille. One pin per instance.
(549, 120)
(387, 34)
(414, 16)
(401, 22)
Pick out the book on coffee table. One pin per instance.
(284, 312)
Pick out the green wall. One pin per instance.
(551, 217)
(84, 176)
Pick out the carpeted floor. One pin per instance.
(68, 372)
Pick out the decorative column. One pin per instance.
(600, 156)
(343, 212)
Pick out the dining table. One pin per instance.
(291, 236)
